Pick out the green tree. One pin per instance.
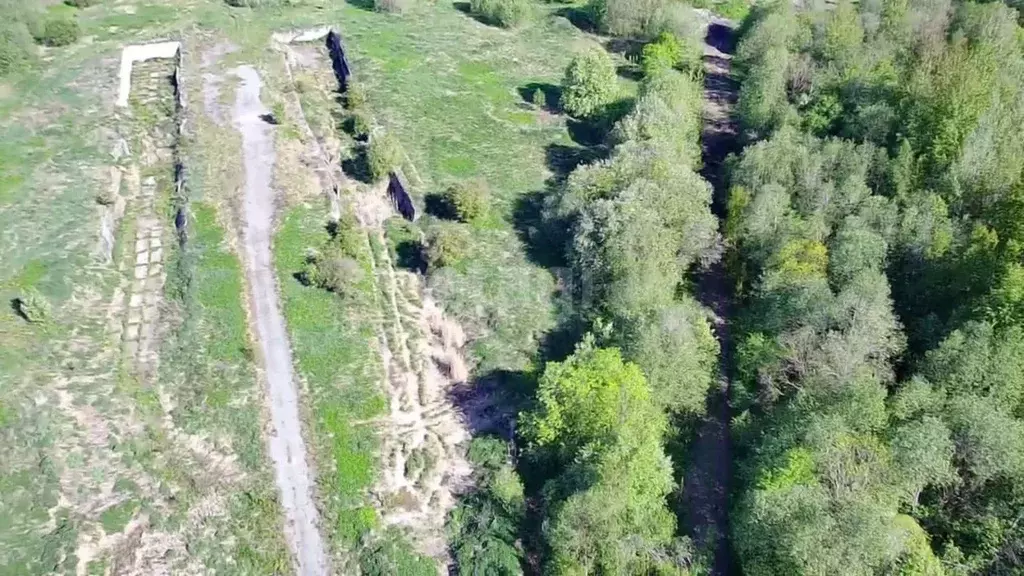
(589, 83)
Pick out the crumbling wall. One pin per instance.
(138, 53)
(400, 197)
(338, 60)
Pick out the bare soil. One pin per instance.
(706, 485)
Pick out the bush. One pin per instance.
(16, 47)
(383, 156)
(539, 99)
(589, 84)
(447, 245)
(333, 271)
(33, 306)
(637, 18)
(467, 200)
(81, 3)
(253, 3)
(391, 6)
(355, 96)
(504, 13)
(663, 54)
(59, 32)
(361, 124)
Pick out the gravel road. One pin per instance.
(287, 448)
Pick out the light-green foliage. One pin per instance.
(447, 245)
(589, 84)
(678, 352)
(383, 155)
(607, 514)
(663, 54)
(467, 199)
(504, 13)
(667, 116)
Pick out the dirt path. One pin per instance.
(287, 448)
(706, 485)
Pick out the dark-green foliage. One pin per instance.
(504, 13)
(59, 31)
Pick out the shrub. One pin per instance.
(391, 6)
(446, 245)
(663, 54)
(59, 32)
(504, 13)
(16, 47)
(638, 18)
(333, 271)
(33, 306)
(589, 84)
(361, 124)
(467, 199)
(355, 96)
(253, 3)
(539, 99)
(383, 156)
(81, 3)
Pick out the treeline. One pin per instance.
(593, 437)
(876, 225)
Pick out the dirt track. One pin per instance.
(287, 449)
(706, 486)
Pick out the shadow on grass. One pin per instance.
(552, 94)
(594, 131)
(358, 167)
(364, 4)
(467, 9)
(630, 72)
(438, 206)
(579, 17)
(409, 255)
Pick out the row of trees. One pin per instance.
(876, 221)
(639, 221)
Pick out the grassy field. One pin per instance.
(75, 420)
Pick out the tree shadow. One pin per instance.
(562, 159)
(629, 48)
(438, 206)
(552, 94)
(409, 255)
(364, 4)
(579, 17)
(594, 131)
(721, 37)
(467, 9)
(16, 307)
(358, 166)
(630, 72)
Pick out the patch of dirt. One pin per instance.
(423, 465)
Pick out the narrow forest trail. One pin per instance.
(706, 485)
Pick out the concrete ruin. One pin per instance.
(140, 53)
(400, 198)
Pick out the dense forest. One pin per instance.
(874, 233)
